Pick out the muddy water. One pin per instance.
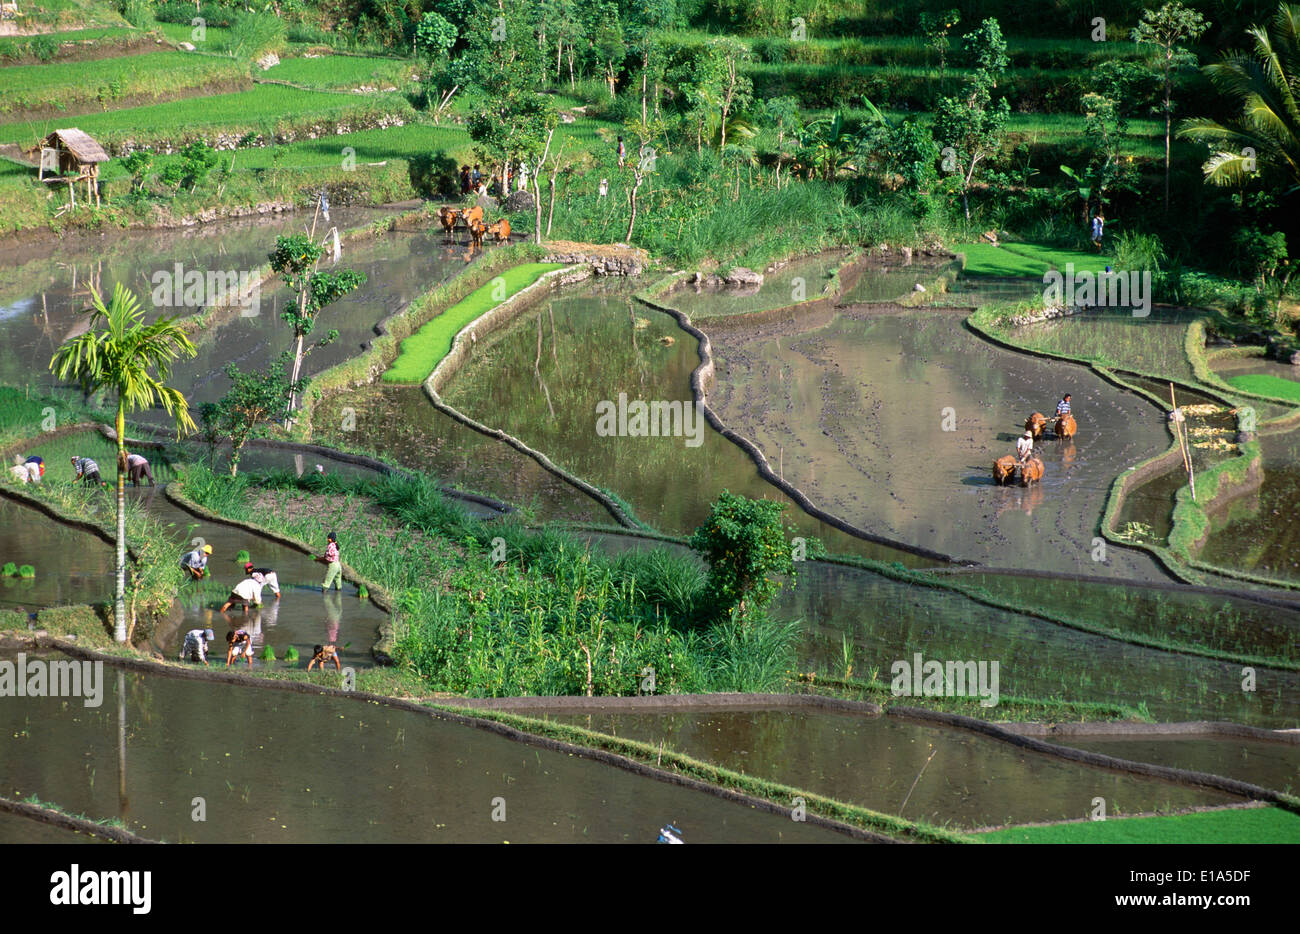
(1153, 344)
(968, 292)
(854, 410)
(399, 424)
(796, 281)
(72, 566)
(45, 287)
(1261, 532)
(971, 781)
(357, 773)
(548, 398)
(1271, 765)
(890, 283)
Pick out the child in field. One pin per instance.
(239, 644)
(25, 472)
(325, 653)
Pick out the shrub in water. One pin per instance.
(27, 571)
(10, 569)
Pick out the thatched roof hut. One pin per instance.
(71, 151)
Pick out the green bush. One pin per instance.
(743, 542)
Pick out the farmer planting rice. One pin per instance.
(195, 646)
(264, 576)
(196, 561)
(247, 592)
(86, 470)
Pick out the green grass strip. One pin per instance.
(1236, 825)
(1028, 260)
(422, 351)
(1266, 384)
(679, 764)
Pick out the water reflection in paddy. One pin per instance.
(283, 767)
(971, 781)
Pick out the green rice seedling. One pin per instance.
(10, 569)
(27, 572)
(268, 654)
(291, 656)
(241, 556)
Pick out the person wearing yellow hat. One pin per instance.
(196, 561)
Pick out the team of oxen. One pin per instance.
(1031, 471)
(472, 220)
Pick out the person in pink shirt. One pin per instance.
(334, 571)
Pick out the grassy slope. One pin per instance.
(73, 84)
(1253, 825)
(423, 349)
(261, 109)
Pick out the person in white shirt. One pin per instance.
(247, 592)
(1024, 447)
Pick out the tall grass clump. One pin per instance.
(256, 34)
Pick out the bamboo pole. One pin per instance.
(1184, 443)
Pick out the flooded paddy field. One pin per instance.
(359, 773)
(1260, 532)
(538, 380)
(72, 566)
(46, 286)
(854, 410)
(800, 279)
(1270, 765)
(885, 621)
(1117, 338)
(972, 781)
(400, 424)
(882, 621)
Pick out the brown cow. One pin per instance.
(476, 232)
(448, 217)
(1036, 423)
(1066, 427)
(1031, 472)
(470, 215)
(500, 231)
(1004, 470)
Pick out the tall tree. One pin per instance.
(295, 259)
(972, 126)
(1266, 86)
(1168, 28)
(132, 360)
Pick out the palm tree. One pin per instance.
(1266, 84)
(118, 353)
